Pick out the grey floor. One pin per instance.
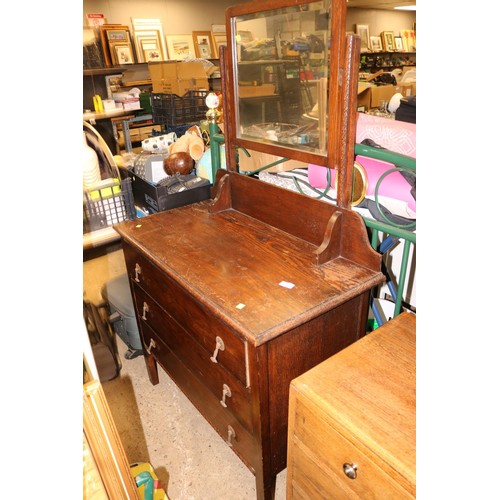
(158, 424)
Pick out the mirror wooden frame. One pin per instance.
(342, 96)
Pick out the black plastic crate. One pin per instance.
(172, 110)
(153, 198)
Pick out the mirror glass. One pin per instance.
(281, 76)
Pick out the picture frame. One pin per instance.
(388, 41)
(409, 40)
(218, 40)
(363, 31)
(149, 47)
(123, 54)
(115, 34)
(149, 40)
(108, 460)
(398, 43)
(376, 44)
(180, 47)
(203, 44)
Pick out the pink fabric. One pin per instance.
(397, 136)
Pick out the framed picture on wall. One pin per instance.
(364, 32)
(180, 47)
(376, 43)
(388, 40)
(203, 44)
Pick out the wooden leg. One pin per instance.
(152, 368)
(265, 487)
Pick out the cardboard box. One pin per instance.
(256, 90)
(405, 90)
(364, 97)
(381, 93)
(177, 77)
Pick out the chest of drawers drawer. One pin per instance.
(217, 338)
(352, 422)
(223, 419)
(232, 394)
(321, 454)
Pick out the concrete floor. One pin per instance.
(158, 424)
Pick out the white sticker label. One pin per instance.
(286, 284)
(240, 306)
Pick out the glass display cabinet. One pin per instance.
(289, 72)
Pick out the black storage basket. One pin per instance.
(108, 205)
(172, 110)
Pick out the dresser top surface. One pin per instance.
(369, 391)
(258, 278)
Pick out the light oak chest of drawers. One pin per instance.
(238, 296)
(352, 420)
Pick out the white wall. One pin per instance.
(380, 20)
(180, 17)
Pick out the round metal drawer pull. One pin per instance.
(151, 345)
(350, 470)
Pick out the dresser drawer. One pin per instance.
(319, 453)
(222, 383)
(211, 333)
(227, 425)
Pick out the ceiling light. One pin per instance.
(406, 7)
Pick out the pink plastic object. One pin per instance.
(393, 185)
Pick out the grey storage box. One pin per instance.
(122, 318)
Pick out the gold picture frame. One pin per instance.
(123, 54)
(203, 44)
(388, 41)
(111, 36)
(149, 47)
(218, 40)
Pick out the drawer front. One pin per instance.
(230, 391)
(219, 340)
(245, 444)
(317, 455)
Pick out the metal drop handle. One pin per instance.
(138, 271)
(350, 470)
(226, 392)
(152, 344)
(145, 309)
(231, 435)
(219, 346)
